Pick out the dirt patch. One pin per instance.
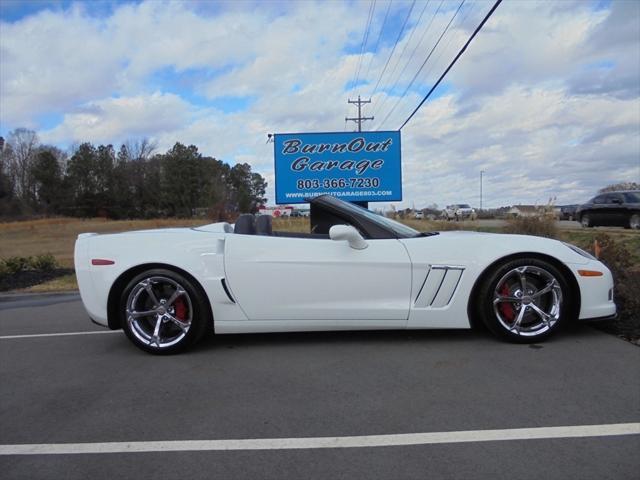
(28, 278)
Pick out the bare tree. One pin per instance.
(620, 186)
(23, 144)
(140, 149)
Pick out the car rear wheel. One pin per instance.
(586, 221)
(634, 221)
(163, 312)
(525, 300)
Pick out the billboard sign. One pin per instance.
(353, 166)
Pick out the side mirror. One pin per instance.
(350, 234)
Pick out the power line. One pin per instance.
(448, 43)
(404, 48)
(375, 50)
(473, 35)
(362, 45)
(446, 29)
(372, 7)
(394, 46)
(424, 34)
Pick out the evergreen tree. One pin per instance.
(47, 179)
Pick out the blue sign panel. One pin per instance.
(353, 166)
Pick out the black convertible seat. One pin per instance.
(264, 225)
(245, 224)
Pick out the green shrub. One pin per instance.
(627, 285)
(539, 225)
(42, 263)
(45, 263)
(16, 264)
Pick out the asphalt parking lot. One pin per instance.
(81, 391)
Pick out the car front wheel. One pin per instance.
(586, 221)
(163, 312)
(525, 300)
(634, 221)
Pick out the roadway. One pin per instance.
(96, 392)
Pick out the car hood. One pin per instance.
(465, 247)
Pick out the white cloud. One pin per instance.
(51, 62)
(122, 117)
(533, 144)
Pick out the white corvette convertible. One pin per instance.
(356, 270)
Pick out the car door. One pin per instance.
(597, 210)
(615, 209)
(321, 280)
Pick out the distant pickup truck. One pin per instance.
(458, 211)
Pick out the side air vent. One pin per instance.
(226, 290)
(439, 286)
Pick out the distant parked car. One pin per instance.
(419, 215)
(458, 211)
(568, 212)
(611, 208)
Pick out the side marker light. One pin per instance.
(101, 261)
(590, 273)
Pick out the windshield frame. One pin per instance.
(371, 225)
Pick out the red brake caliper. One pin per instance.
(180, 309)
(505, 307)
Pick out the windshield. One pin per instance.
(632, 197)
(399, 229)
(464, 205)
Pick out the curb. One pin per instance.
(10, 296)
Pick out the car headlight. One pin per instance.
(580, 251)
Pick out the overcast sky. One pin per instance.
(546, 100)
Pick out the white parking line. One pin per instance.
(62, 334)
(577, 431)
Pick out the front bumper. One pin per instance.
(603, 319)
(596, 293)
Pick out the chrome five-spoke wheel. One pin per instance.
(163, 312)
(525, 300)
(159, 311)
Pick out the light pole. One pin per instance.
(481, 173)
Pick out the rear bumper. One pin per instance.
(98, 323)
(92, 300)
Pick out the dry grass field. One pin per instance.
(57, 236)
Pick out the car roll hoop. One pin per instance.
(245, 224)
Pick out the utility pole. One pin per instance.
(481, 172)
(359, 119)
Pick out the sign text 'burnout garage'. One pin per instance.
(359, 144)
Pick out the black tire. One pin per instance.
(634, 221)
(181, 323)
(503, 318)
(586, 221)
